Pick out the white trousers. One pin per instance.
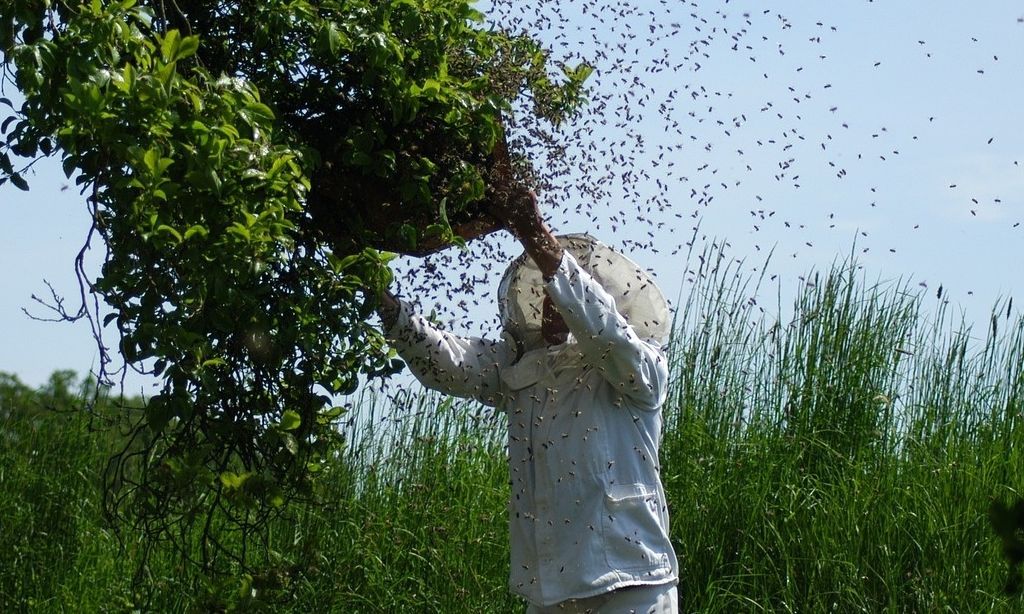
(657, 599)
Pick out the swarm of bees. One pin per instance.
(737, 126)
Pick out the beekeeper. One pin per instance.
(581, 376)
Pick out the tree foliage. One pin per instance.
(240, 161)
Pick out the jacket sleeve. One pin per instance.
(635, 367)
(460, 366)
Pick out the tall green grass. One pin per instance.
(840, 459)
(843, 459)
(53, 541)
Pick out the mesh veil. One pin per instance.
(637, 298)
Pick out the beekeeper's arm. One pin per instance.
(459, 366)
(635, 367)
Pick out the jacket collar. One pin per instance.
(536, 364)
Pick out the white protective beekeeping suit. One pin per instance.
(587, 511)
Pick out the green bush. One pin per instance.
(241, 162)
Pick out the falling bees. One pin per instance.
(812, 133)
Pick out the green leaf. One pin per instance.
(260, 110)
(164, 228)
(333, 38)
(166, 74)
(213, 180)
(333, 412)
(19, 182)
(431, 87)
(340, 264)
(580, 73)
(159, 412)
(234, 481)
(189, 46)
(361, 158)
(127, 81)
(152, 160)
(386, 163)
(442, 210)
(290, 443)
(170, 45)
(240, 230)
(196, 229)
(408, 234)
(70, 165)
(290, 420)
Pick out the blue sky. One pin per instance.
(927, 173)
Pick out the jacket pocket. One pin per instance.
(635, 530)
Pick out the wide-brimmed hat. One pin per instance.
(637, 298)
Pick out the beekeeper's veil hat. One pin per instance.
(637, 298)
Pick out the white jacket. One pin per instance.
(587, 511)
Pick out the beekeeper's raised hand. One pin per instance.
(520, 215)
(388, 307)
